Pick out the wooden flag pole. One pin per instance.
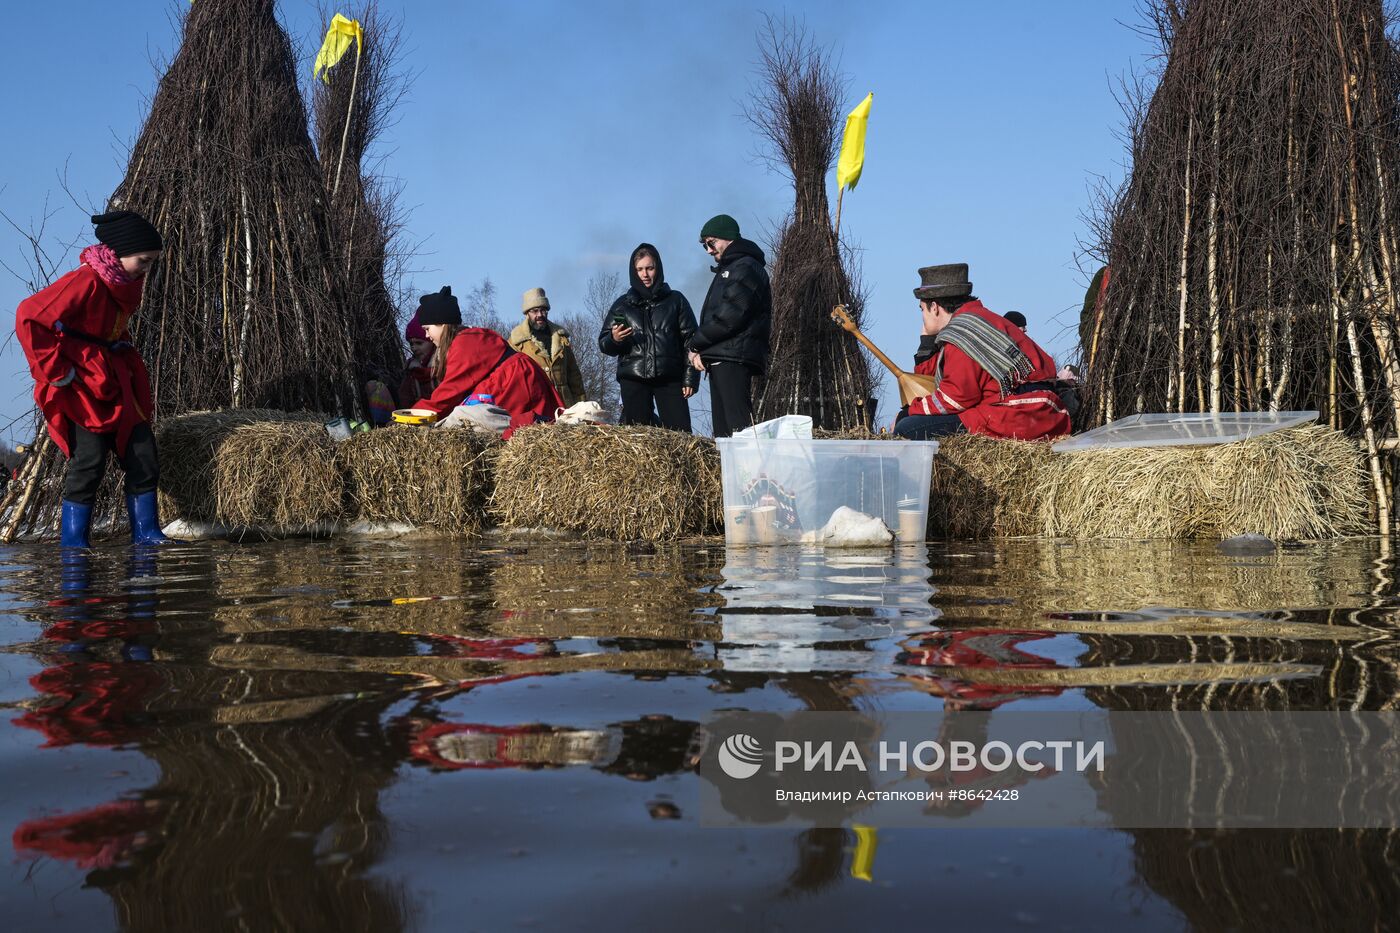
(345, 135)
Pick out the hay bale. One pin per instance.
(1304, 484)
(430, 478)
(983, 487)
(609, 482)
(249, 467)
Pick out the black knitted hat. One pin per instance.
(439, 308)
(127, 233)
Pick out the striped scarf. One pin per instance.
(989, 348)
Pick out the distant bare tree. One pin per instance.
(481, 308)
(599, 370)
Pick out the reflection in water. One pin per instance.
(309, 709)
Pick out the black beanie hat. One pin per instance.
(127, 232)
(439, 308)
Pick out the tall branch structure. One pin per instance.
(1253, 247)
(269, 293)
(815, 368)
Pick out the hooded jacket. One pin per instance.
(662, 324)
(738, 308)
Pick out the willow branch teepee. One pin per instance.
(815, 368)
(1254, 250)
(262, 297)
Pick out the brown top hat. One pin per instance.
(948, 281)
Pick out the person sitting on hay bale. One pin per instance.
(418, 368)
(731, 343)
(548, 345)
(477, 363)
(647, 329)
(90, 382)
(989, 377)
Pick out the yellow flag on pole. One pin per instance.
(852, 160)
(338, 38)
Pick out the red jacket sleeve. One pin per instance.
(469, 360)
(962, 386)
(64, 301)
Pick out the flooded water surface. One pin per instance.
(383, 736)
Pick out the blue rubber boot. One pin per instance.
(76, 520)
(145, 520)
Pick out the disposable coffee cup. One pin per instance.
(912, 521)
(736, 524)
(764, 519)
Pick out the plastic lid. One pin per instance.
(1185, 429)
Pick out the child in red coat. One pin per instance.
(475, 361)
(418, 369)
(89, 381)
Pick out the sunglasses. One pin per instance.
(708, 243)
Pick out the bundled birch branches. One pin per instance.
(1253, 249)
(815, 368)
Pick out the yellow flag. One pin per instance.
(852, 160)
(338, 38)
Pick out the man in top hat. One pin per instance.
(990, 378)
(548, 345)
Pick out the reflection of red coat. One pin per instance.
(100, 700)
(968, 391)
(424, 745)
(518, 385)
(99, 837)
(111, 392)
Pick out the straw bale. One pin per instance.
(1304, 484)
(983, 487)
(430, 478)
(249, 467)
(609, 482)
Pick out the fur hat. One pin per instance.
(533, 298)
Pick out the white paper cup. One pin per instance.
(913, 526)
(736, 524)
(764, 519)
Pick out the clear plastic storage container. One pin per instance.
(788, 490)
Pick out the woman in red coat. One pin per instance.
(476, 361)
(89, 381)
(991, 378)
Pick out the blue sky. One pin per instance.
(540, 142)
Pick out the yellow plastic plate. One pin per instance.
(415, 416)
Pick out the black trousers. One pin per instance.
(655, 403)
(926, 427)
(89, 462)
(731, 397)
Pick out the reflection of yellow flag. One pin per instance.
(338, 38)
(852, 159)
(866, 840)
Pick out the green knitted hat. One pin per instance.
(721, 226)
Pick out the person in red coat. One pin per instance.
(990, 377)
(89, 381)
(477, 362)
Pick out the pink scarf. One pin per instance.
(105, 263)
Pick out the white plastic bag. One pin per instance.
(798, 426)
(478, 417)
(582, 413)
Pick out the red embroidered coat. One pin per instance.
(968, 391)
(111, 390)
(518, 384)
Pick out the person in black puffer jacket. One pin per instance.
(647, 330)
(732, 341)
